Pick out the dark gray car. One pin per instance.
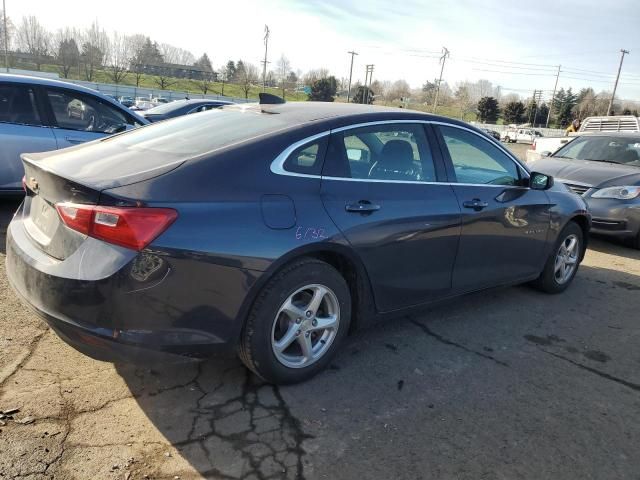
(182, 107)
(605, 170)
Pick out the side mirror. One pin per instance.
(540, 181)
(545, 154)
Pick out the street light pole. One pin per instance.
(350, 74)
(615, 86)
(6, 36)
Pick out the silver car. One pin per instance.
(38, 114)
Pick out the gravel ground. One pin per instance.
(506, 384)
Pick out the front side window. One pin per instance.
(392, 152)
(76, 111)
(477, 161)
(18, 105)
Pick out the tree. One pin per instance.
(230, 71)
(323, 90)
(144, 52)
(513, 112)
(283, 67)
(247, 76)
(429, 91)
(399, 89)
(563, 105)
(118, 57)
(66, 51)
(488, 110)
(176, 55)
(207, 72)
(314, 75)
(164, 81)
(94, 48)
(464, 100)
(363, 95)
(9, 35)
(33, 39)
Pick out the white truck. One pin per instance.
(519, 135)
(545, 146)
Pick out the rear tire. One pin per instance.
(563, 262)
(297, 323)
(507, 140)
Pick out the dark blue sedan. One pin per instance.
(178, 108)
(275, 230)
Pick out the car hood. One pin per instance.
(595, 174)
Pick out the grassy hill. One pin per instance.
(178, 84)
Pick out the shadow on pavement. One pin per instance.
(228, 424)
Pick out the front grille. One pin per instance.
(578, 189)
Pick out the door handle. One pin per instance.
(74, 139)
(363, 206)
(476, 204)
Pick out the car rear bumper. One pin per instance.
(132, 315)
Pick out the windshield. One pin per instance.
(614, 149)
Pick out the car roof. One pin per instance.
(300, 113)
(48, 82)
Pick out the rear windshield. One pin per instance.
(167, 107)
(193, 135)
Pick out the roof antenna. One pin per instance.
(270, 99)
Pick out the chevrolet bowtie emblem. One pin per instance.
(33, 184)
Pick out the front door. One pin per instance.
(504, 223)
(80, 118)
(380, 187)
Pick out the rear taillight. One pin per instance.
(130, 227)
(533, 147)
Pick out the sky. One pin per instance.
(516, 45)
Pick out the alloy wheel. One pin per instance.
(305, 326)
(567, 259)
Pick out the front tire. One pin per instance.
(562, 265)
(297, 323)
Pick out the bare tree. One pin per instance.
(164, 81)
(176, 55)
(95, 45)
(283, 67)
(465, 100)
(66, 51)
(118, 57)
(33, 38)
(314, 75)
(9, 34)
(247, 76)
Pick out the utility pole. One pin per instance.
(615, 86)
(264, 68)
(352, 53)
(553, 97)
(6, 37)
(537, 98)
(533, 101)
(443, 58)
(367, 83)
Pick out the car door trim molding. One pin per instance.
(277, 165)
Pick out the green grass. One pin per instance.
(177, 84)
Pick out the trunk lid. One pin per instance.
(79, 175)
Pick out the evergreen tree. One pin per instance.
(513, 113)
(324, 90)
(488, 110)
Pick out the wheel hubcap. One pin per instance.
(567, 259)
(305, 326)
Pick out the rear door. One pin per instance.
(504, 222)
(381, 187)
(78, 117)
(22, 130)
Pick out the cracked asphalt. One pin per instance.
(505, 384)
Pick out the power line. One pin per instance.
(514, 73)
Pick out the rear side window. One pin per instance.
(477, 161)
(307, 159)
(75, 111)
(18, 105)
